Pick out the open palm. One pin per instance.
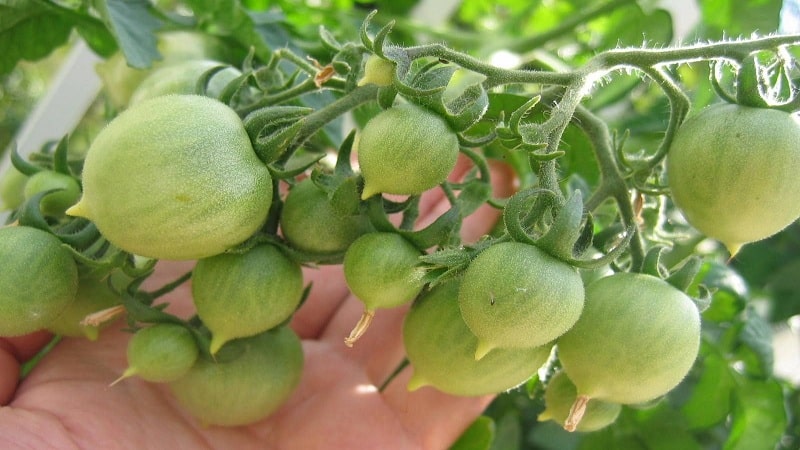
(66, 401)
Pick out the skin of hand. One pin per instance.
(66, 402)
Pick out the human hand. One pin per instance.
(66, 402)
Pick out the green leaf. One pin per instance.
(478, 436)
(735, 18)
(710, 401)
(230, 18)
(508, 432)
(759, 417)
(134, 26)
(29, 30)
(755, 351)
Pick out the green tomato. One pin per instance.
(377, 71)
(121, 80)
(247, 388)
(160, 353)
(243, 294)
(39, 279)
(310, 223)
(560, 395)
(12, 189)
(733, 172)
(93, 295)
(381, 269)
(516, 295)
(175, 177)
(181, 78)
(637, 338)
(405, 150)
(55, 203)
(441, 349)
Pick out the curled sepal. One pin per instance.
(457, 95)
(520, 113)
(609, 257)
(328, 40)
(25, 167)
(516, 207)
(366, 40)
(703, 299)
(440, 232)
(651, 265)
(715, 77)
(684, 275)
(563, 234)
(752, 83)
(60, 156)
(273, 128)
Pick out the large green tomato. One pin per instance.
(175, 177)
(405, 150)
(637, 338)
(38, 281)
(243, 294)
(516, 295)
(733, 171)
(247, 388)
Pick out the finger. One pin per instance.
(430, 416)
(328, 292)
(13, 353)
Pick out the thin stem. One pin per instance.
(318, 119)
(403, 364)
(495, 75)
(612, 183)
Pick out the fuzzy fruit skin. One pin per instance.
(311, 224)
(377, 71)
(733, 172)
(381, 270)
(55, 203)
(441, 349)
(181, 78)
(516, 295)
(161, 353)
(637, 338)
(247, 388)
(405, 150)
(559, 396)
(243, 294)
(38, 282)
(175, 177)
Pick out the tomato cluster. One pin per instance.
(180, 176)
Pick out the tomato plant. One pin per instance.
(609, 146)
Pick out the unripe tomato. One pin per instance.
(160, 353)
(55, 203)
(560, 395)
(181, 78)
(405, 150)
(12, 189)
(310, 223)
(121, 80)
(637, 338)
(93, 295)
(38, 281)
(247, 388)
(733, 172)
(381, 269)
(242, 294)
(377, 71)
(175, 177)
(441, 349)
(515, 295)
